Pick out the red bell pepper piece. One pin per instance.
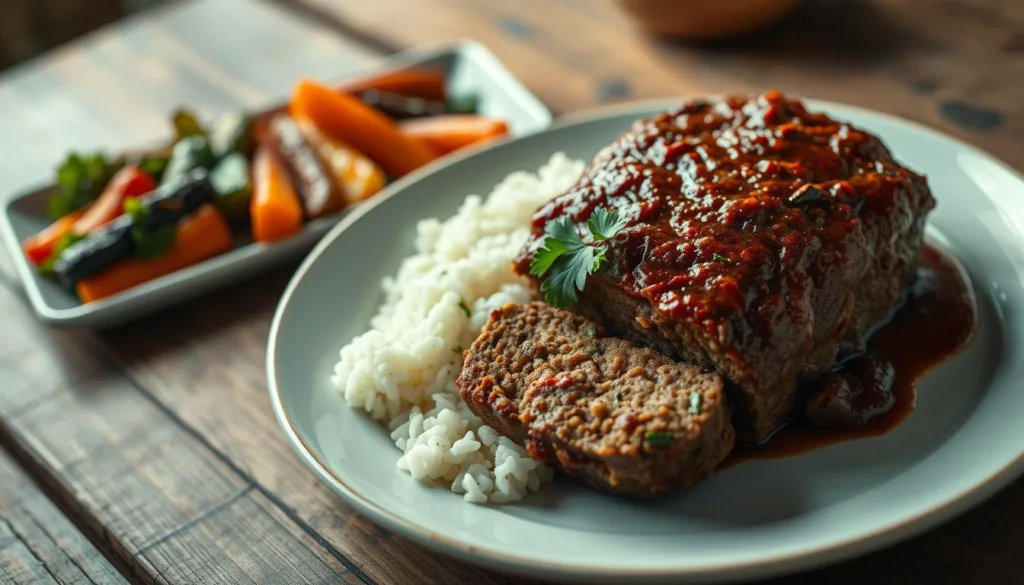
(128, 182)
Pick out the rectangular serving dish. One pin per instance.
(468, 67)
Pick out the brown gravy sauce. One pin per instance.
(937, 321)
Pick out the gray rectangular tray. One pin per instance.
(469, 67)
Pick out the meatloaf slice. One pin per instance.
(624, 419)
(762, 239)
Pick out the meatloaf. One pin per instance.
(762, 241)
(625, 419)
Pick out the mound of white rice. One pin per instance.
(403, 369)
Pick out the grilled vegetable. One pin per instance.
(230, 179)
(319, 196)
(450, 133)
(80, 180)
(200, 236)
(186, 124)
(127, 234)
(128, 182)
(401, 107)
(231, 133)
(423, 83)
(275, 208)
(345, 118)
(40, 247)
(354, 175)
(192, 152)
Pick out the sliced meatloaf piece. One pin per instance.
(624, 419)
(762, 240)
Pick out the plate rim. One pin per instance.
(806, 558)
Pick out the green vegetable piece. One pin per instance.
(154, 165)
(231, 133)
(186, 124)
(695, 399)
(230, 179)
(659, 439)
(148, 244)
(567, 260)
(720, 258)
(63, 243)
(80, 180)
(189, 153)
(464, 307)
(463, 104)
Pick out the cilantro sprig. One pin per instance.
(567, 260)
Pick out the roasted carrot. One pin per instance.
(354, 175)
(128, 182)
(452, 132)
(275, 208)
(345, 118)
(39, 248)
(200, 236)
(424, 83)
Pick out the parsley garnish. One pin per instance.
(661, 439)
(720, 258)
(464, 307)
(567, 260)
(695, 403)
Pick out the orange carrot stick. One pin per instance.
(200, 236)
(275, 207)
(39, 248)
(452, 132)
(355, 175)
(423, 83)
(345, 118)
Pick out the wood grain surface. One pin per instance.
(38, 543)
(158, 438)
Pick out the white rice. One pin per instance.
(402, 371)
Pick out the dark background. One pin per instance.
(31, 27)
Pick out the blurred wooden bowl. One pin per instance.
(705, 19)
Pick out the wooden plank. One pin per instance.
(956, 68)
(38, 544)
(218, 345)
(153, 493)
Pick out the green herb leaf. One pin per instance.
(567, 260)
(569, 274)
(592, 331)
(720, 258)
(465, 307)
(695, 400)
(660, 439)
(604, 224)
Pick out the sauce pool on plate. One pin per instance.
(937, 320)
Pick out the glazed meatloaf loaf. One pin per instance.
(624, 419)
(762, 239)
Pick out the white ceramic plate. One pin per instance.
(761, 518)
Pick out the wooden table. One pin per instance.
(150, 454)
